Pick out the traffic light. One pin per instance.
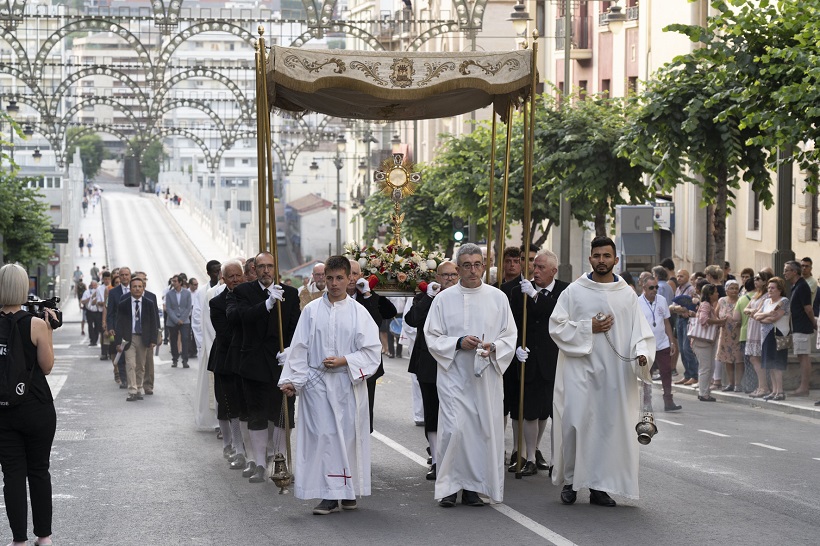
(458, 229)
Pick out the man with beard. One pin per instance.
(422, 362)
(380, 309)
(604, 342)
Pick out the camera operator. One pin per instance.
(27, 429)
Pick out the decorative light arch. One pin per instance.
(98, 70)
(246, 107)
(211, 160)
(125, 110)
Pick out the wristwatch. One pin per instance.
(492, 347)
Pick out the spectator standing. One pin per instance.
(729, 353)
(93, 312)
(656, 312)
(754, 338)
(80, 288)
(803, 323)
(749, 383)
(703, 338)
(774, 317)
(690, 362)
(805, 271)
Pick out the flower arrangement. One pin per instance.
(395, 267)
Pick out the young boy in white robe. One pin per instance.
(335, 349)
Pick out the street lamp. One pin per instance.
(615, 17)
(12, 110)
(37, 155)
(341, 143)
(519, 19)
(395, 144)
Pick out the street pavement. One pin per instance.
(139, 473)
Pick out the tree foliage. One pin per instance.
(24, 221)
(151, 160)
(92, 151)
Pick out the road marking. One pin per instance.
(669, 422)
(817, 458)
(55, 383)
(62, 346)
(714, 433)
(767, 446)
(516, 516)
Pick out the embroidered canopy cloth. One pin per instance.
(396, 85)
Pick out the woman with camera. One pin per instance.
(27, 428)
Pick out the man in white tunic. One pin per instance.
(204, 412)
(335, 348)
(596, 402)
(471, 333)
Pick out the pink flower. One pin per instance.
(401, 276)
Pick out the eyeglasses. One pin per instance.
(652, 287)
(448, 275)
(470, 267)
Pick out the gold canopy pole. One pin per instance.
(503, 232)
(529, 152)
(490, 206)
(266, 182)
(260, 142)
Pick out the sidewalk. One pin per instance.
(92, 223)
(797, 405)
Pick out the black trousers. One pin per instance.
(182, 331)
(429, 401)
(264, 403)
(94, 319)
(26, 435)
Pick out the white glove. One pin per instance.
(363, 286)
(433, 288)
(276, 293)
(283, 356)
(528, 289)
(481, 351)
(521, 354)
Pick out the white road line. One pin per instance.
(816, 458)
(62, 346)
(55, 383)
(516, 516)
(669, 422)
(714, 433)
(767, 446)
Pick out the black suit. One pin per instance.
(123, 332)
(422, 362)
(114, 297)
(539, 371)
(227, 386)
(380, 309)
(258, 364)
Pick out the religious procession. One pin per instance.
(518, 348)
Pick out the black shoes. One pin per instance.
(540, 462)
(600, 498)
(349, 505)
(529, 469)
(449, 501)
(249, 470)
(707, 399)
(568, 494)
(326, 507)
(514, 457)
(471, 498)
(431, 475)
(185, 365)
(133, 398)
(174, 364)
(671, 406)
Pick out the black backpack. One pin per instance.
(15, 377)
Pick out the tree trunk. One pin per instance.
(710, 234)
(540, 241)
(719, 219)
(600, 224)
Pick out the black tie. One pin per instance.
(545, 292)
(267, 293)
(137, 323)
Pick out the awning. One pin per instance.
(392, 85)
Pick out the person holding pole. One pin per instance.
(541, 356)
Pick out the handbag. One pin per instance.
(784, 342)
(698, 331)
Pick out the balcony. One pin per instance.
(580, 42)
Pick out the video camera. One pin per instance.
(37, 307)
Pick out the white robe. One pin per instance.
(470, 450)
(596, 397)
(204, 412)
(333, 422)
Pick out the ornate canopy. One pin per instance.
(385, 85)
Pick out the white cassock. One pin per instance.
(204, 412)
(470, 452)
(596, 397)
(333, 421)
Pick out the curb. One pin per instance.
(786, 406)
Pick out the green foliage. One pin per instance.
(24, 221)
(92, 152)
(151, 160)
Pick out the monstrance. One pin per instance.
(397, 179)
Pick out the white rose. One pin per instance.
(362, 262)
(431, 264)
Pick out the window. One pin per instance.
(244, 205)
(814, 212)
(632, 85)
(606, 87)
(582, 89)
(229, 162)
(227, 204)
(754, 211)
(246, 161)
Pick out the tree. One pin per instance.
(687, 120)
(578, 155)
(151, 160)
(92, 151)
(24, 221)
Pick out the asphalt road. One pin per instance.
(139, 473)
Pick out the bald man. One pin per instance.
(315, 288)
(690, 362)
